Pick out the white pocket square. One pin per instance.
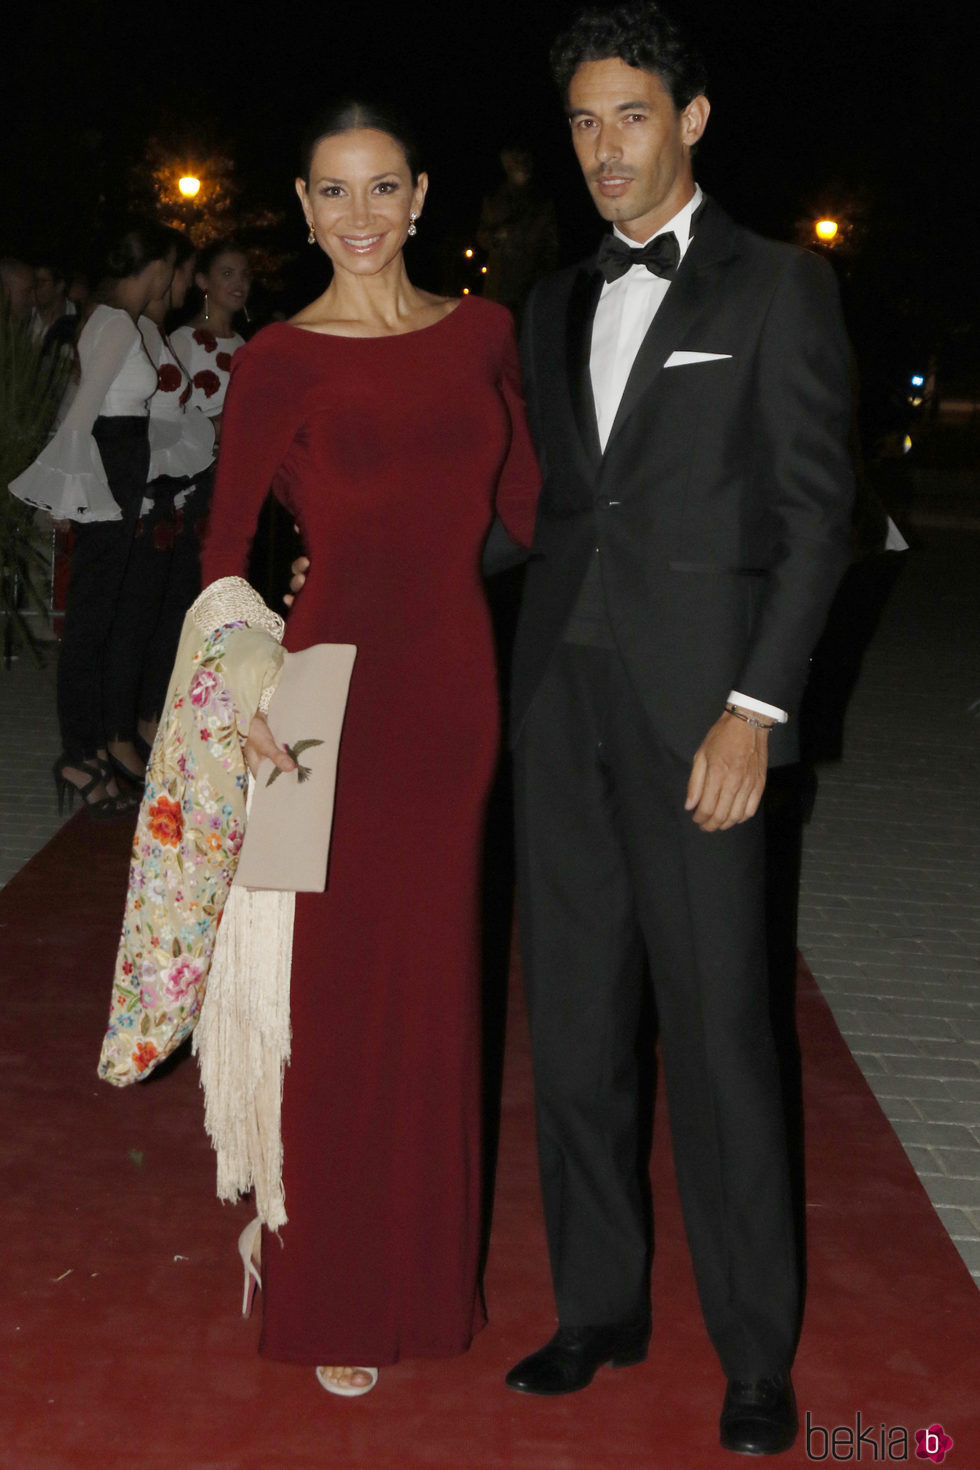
(681, 359)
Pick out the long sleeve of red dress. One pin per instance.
(394, 454)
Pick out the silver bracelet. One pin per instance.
(741, 714)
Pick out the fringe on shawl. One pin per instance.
(242, 1043)
(242, 1038)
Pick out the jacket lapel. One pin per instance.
(692, 293)
(582, 302)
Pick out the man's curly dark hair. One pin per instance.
(639, 33)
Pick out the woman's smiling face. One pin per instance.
(227, 281)
(360, 199)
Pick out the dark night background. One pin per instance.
(850, 108)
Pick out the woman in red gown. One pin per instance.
(390, 423)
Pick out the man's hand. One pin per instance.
(299, 569)
(261, 745)
(728, 775)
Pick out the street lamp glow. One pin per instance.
(918, 381)
(468, 254)
(188, 186)
(826, 229)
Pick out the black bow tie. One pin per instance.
(661, 255)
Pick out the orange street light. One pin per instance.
(468, 254)
(189, 186)
(826, 230)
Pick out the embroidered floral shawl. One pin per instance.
(190, 827)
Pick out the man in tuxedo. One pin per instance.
(688, 393)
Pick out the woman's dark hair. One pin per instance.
(639, 33)
(182, 244)
(58, 272)
(207, 257)
(139, 244)
(351, 113)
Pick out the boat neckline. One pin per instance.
(380, 336)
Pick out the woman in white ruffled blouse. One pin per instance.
(94, 472)
(159, 586)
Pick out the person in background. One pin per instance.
(208, 342)
(518, 231)
(54, 320)
(16, 289)
(190, 502)
(151, 602)
(80, 295)
(94, 472)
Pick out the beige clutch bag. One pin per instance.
(287, 834)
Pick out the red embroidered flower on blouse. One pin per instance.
(208, 382)
(223, 361)
(168, 378)
(185, 395)
(206, 339)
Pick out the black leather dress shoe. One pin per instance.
(570, 1360)
(758, 1416)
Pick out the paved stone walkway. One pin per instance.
(29, 746)
(890, 898)
(890, 908)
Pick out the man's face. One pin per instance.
(46, 287)
(632, 144)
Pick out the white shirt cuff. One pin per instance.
(745, 701)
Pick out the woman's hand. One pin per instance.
(299, 569)
(261, 745)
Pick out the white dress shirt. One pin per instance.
(623, 316)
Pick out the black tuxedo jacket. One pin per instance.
(721, 504)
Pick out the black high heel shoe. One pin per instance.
(99, 808)
(135, 780)
(129, 793)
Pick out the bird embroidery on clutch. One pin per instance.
(294, 752)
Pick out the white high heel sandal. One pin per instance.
(347, 1390)
(246, 1249)
(247, 1243)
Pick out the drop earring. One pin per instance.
(245, 310)
(311, 237)
(206, 318)
(412, 230)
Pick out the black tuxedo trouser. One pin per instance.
(616, 883)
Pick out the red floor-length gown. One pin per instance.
(392, 453)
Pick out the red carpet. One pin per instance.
(121, 1287)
